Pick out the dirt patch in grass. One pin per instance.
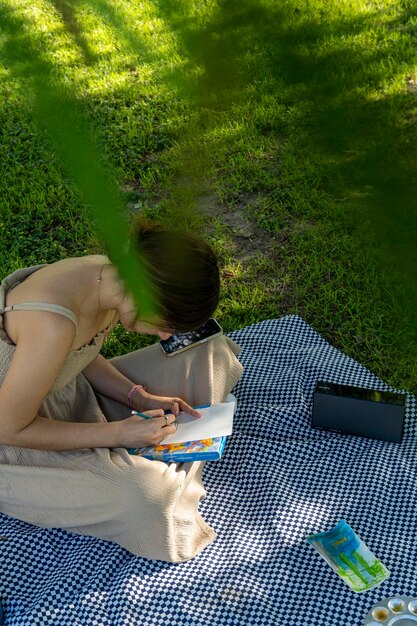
(248, 239)
(259, 252)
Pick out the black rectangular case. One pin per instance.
(359, 411)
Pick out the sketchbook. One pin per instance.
(216, 421)
(202, 438)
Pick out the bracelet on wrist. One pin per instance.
(131, 393)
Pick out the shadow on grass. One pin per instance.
(369, 139)
(338, 72)
(62, 116)
(335, 68)
(66, 9)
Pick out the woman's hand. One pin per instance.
(137, 432)
(144, 401)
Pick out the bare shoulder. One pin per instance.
(35, 329)
(69, 283)
(65, 282)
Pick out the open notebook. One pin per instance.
(196, 439)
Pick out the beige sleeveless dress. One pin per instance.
(148, 507)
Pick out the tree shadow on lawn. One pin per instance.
(337, 72)
(319, 65)
(369, 142)
(368, 139)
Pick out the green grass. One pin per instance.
(284, 131)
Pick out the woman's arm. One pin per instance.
(107, 380)
(43, 342)
(134, 432)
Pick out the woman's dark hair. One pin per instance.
(184, 272)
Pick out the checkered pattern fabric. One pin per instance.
(278, 481)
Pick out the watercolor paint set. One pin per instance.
(394, 611)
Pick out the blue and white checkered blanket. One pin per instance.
(278, 481)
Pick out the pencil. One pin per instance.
(145, 417)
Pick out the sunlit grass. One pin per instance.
(300, 117)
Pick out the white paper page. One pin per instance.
(216, 421)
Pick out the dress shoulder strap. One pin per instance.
(42, 306)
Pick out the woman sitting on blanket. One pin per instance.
(65, 411)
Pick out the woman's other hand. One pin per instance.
(144, 401)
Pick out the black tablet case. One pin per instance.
(359, 411)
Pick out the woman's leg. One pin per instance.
(148, 507)
(202, 375)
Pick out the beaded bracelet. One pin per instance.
(132, 393)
